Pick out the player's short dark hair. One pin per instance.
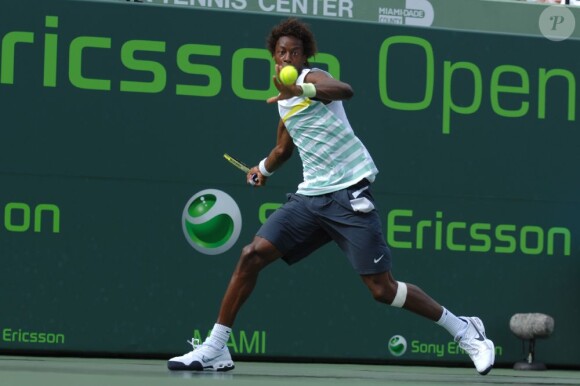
(295, 28)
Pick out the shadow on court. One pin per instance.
(45, 371)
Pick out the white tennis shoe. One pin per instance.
(203, 357)
(473, 340)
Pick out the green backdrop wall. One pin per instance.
(115, 117)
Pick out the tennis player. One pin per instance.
(333, 203)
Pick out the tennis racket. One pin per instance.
(242, 166)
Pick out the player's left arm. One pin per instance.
(328, 89)
(278, 155)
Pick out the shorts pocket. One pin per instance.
(361, 199)
(362, 204)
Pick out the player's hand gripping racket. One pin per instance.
(242, 166)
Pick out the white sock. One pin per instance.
(451, 323)
(219, 336)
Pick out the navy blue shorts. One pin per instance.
(305, 223)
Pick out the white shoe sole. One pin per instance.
(197, 366)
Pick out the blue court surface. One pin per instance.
(51, 371)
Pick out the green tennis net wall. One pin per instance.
(121, 222)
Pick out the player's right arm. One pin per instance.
(278, 155)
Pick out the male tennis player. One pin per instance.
(333, 203)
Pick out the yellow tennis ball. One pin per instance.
(288, 75)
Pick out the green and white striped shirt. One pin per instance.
(333, 157)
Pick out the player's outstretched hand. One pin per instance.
(285, 91)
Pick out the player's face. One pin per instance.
(290, 50)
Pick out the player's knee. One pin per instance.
(392, 292)
(251, 259)
(383, 292)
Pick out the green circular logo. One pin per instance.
(397, 345)
(211, 222)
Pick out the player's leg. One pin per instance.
(255, 257)
(292, 232)
(356, 227)
(213, 354)
(468, 332)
